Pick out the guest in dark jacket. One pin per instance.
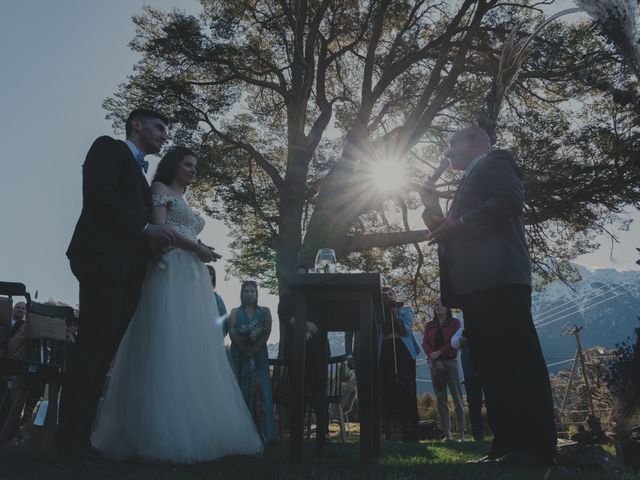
(398, 401)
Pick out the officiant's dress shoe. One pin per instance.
(486, 459)
(526, 460)
(489, 457)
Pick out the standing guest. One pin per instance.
(398, 354)
(444, 366)
(222, 308)
(485, 263)
(472, 383)
(249, 329)
(108, 254)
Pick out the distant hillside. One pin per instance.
(605, 302)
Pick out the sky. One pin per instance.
(59, 61)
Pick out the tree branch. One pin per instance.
(260, 159)
(384, 240)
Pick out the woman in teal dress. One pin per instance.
(249, 328)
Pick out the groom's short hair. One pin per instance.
(142, 113)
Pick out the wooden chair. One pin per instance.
(41, 360)
(281, 392)
(337, 367)
(351, 397)
(6, 311)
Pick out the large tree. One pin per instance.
(291, 104)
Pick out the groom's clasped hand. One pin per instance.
(159, 238)
(206, 253)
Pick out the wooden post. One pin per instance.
(584, 370)
(575, 331)
(573, 371)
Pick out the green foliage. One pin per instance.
(623, 376)
(289, 103)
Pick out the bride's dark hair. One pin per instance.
(168, 166)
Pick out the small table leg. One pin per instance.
(296, 414)
(365, 381)
(321, 392)
(376, 393)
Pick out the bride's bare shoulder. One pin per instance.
(159, 188)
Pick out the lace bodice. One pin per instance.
(180, 216)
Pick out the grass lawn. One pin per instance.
(427, 460)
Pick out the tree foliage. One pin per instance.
(291, 103)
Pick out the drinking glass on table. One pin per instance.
(326, 261)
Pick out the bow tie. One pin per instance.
(144, 165)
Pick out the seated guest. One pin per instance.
(472, 383)
(16, 330)
(14, 337)
(15, 349)
(444, 368)
(249, 328)
(398, 369)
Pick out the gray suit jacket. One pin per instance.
(491, 250)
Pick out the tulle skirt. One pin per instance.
(172, 395)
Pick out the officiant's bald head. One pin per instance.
(467, 144)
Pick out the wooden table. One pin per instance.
(337, 302)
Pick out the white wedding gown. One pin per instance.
(172, 395)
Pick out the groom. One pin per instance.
(108, 255)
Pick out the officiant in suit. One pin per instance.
(485, 269)
(108, 254)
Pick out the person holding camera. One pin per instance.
(398, 402)
(444, 366)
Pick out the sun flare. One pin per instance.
(389, 176)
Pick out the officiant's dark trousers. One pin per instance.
(506, 353)
(109, 293)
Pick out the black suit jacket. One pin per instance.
(491, 250)
(116, 203)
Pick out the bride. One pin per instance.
(172, 395)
